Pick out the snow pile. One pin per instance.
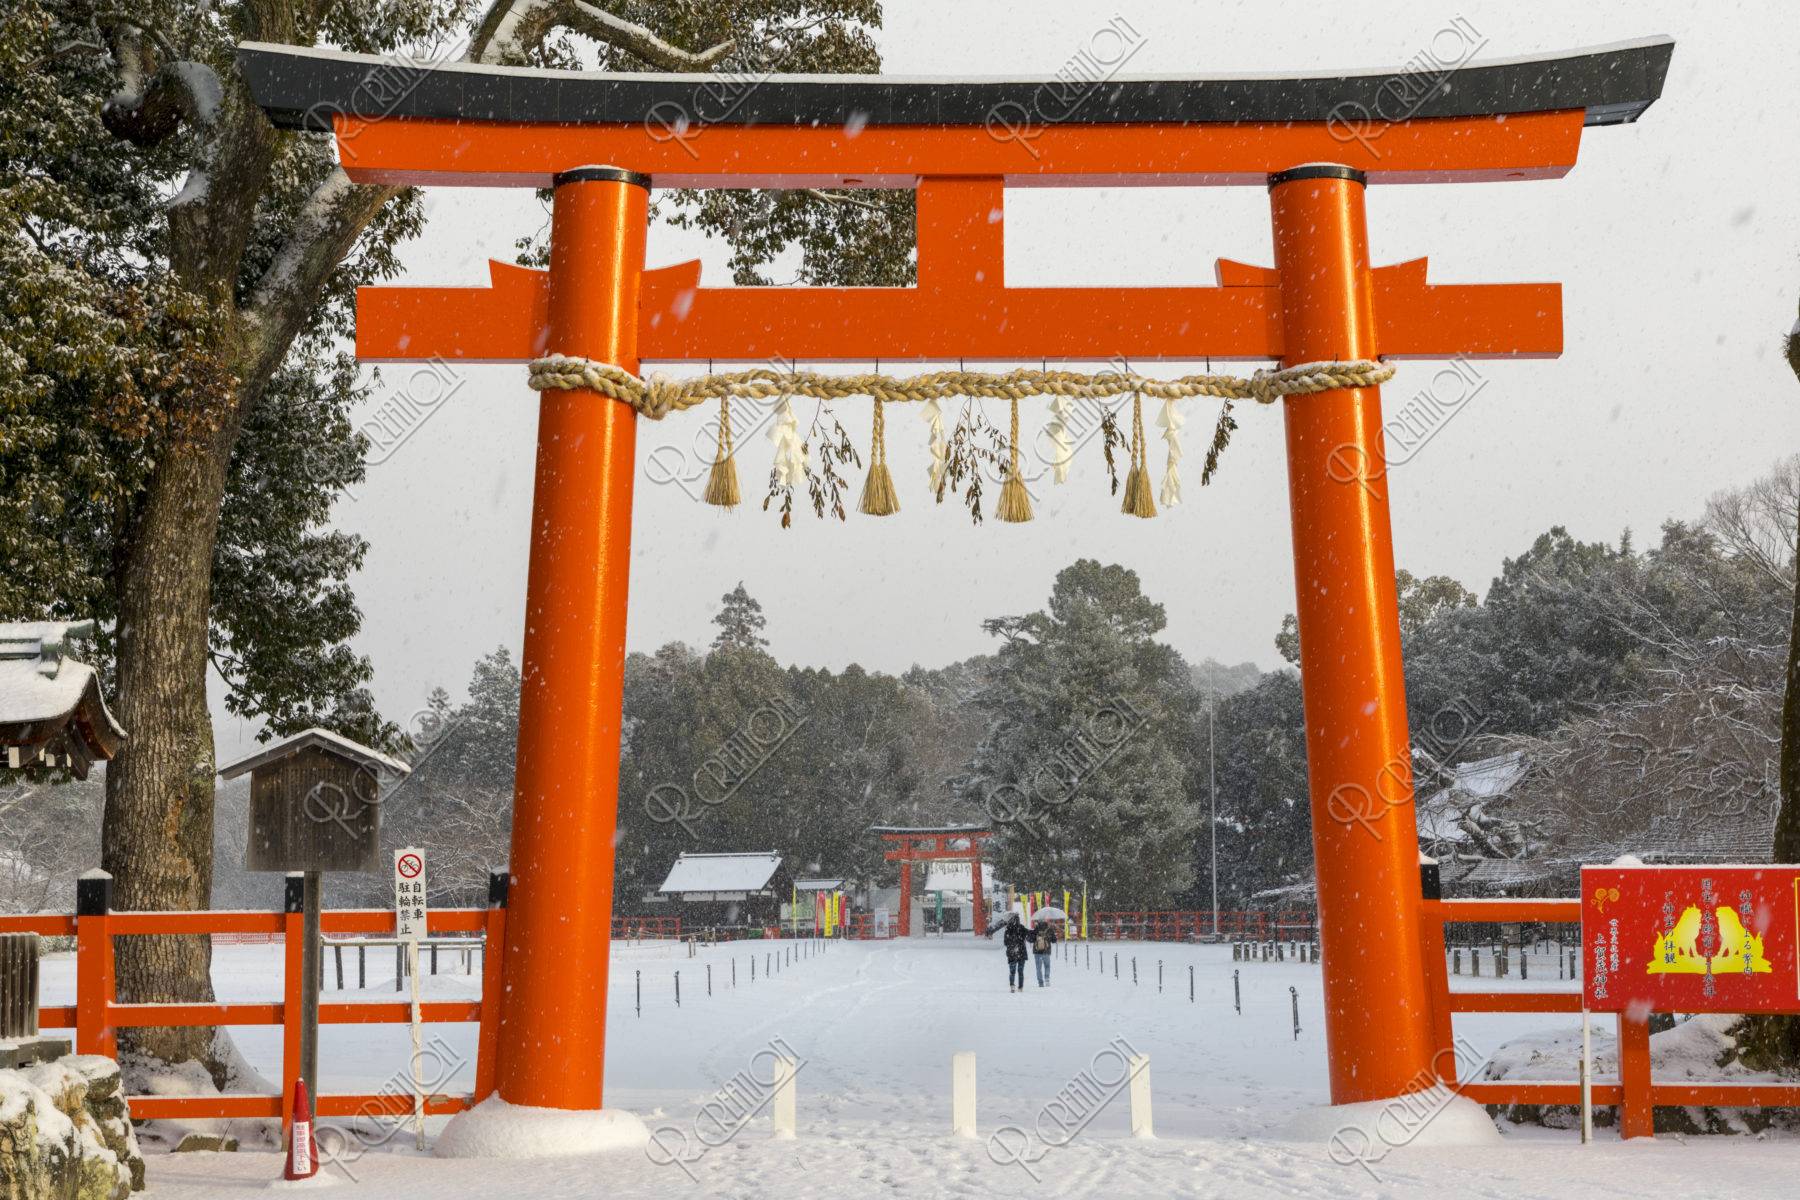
(154, 1077)
(496, 1129)
(1367, 1133)
(1699, 1049)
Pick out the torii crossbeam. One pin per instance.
(1315, 142)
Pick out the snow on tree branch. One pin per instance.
(510, 30)
(158, 90)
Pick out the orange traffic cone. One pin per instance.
(303, 1157)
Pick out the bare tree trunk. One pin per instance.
(159, 790)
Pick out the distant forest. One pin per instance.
(1641, 686)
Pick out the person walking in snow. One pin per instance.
(1043, 936)
(1016, 937)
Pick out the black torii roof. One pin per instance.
(302, 88)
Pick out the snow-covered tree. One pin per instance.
(1084, 765)
(175, 386)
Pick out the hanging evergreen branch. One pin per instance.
(967, 454)
(1220, 439)
(827, 485)
(1109, 437)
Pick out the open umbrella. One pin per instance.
(1049, 913)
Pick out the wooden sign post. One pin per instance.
(314, 807)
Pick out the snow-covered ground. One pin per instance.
(874, 1026)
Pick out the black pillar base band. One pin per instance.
(1317, 171)
(601, 175)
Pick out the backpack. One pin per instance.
(1041, 943)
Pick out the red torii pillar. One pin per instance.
(572, 671)
(1378, 1014)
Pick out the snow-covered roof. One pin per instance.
(324, 739)
(1471, 783)
(1489, 777)
(817, 885)
(722, 872)
(45, 695)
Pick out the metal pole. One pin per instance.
(1237, 995)
(1587, 1079)
(418, 1024)
(1212, 783)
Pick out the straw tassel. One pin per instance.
(1015, 502)
(722, 482)
(1139, 502)
(879, 498)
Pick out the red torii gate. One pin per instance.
(935, 843)
(1314, 142)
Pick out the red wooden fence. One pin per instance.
(97, 1015)
(1635, 1093)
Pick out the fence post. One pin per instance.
(493, 988)
(1636, 1116)
(337, 954)
(94, 981)
(784, 1107)
(362, 967)
(1237, 996)
(1437, 979)
(1190, 983)
(962, 1093)
(292, 991)
(1141, 1126)
(399, 965)
(1294, 995)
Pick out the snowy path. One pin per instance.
(875, 1025)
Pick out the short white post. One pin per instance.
(962, 1093)
(1140, 1097)
(783, 1108)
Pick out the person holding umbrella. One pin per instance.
(1016, 937)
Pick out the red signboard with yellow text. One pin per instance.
(1690, 939)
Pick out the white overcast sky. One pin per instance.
(1674, 239)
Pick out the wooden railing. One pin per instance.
(646, 927)
(1254, 925)
(1634, 1093)
(97, 1014)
